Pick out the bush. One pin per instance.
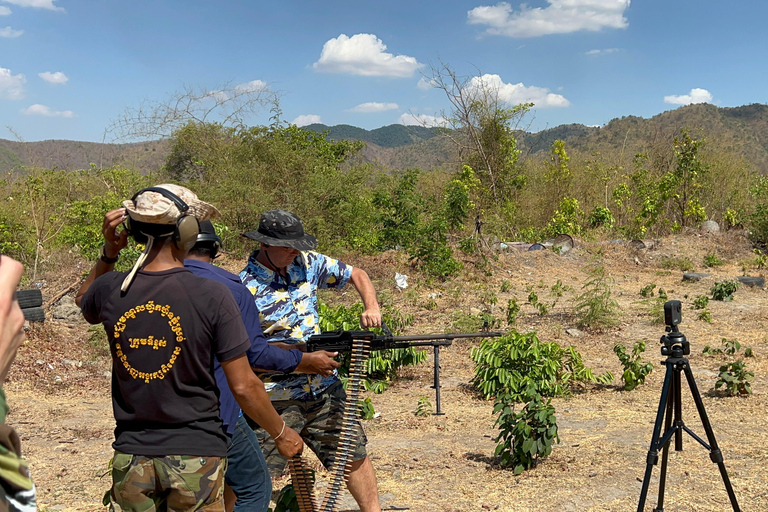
(527, 436)
(735, 379)
(519, 364)
(711, 260)
(635, 369)
(595, 307)
(724, 290)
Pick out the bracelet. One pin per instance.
(281, 432)
(106, 259)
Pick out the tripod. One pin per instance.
(675, 346)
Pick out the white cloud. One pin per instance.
(42, 110)
(425, 84)
(363, 54)
(559, 17)
(9, 32)
(515, 94)
(602, 52)
(305, 119)
(695, 96)
(11, 86)
(374, 106)
(38, 4)
(410, 119)
(4, 11)
(252, 86)
(54, 78)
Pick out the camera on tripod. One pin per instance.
(674, 343)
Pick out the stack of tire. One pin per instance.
(30, 302)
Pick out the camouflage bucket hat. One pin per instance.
(154, 208)
(282, 229)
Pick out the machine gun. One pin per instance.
(341, 341)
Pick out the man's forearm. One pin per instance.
(254, 401)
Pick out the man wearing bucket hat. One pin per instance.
(165, 325)
(247, 477)
(284, 275)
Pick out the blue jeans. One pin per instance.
(247, 473)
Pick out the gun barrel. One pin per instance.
(446, 336)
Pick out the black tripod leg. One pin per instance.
(653, 452)
(714, 452)
(673, 402)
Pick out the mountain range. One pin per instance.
(741, 131)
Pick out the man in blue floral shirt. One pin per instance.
(284, 276)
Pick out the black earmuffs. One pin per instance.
(186, 229)
(214, 241)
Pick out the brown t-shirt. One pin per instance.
(164, 333)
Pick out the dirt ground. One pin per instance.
(58, 391)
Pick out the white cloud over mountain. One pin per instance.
(514, 94)
(363, 54)
(11, 86)
(42, 110)
(559, 17)
(8, 32)
(56, 78)
(695, 96)
(373, 106)
(411, 119)
(306, 119)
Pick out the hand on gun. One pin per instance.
(320, 363)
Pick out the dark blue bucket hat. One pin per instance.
(282, 229)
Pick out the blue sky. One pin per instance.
(69, 68)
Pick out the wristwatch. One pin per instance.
(103, 256)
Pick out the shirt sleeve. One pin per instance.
(94, 297)
(231, 337)
(328, 272)
(261, 354)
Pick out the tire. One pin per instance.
(29, 298)
(34, 314)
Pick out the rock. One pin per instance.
(710, 226)
(695, 276)
(755, 282)
(574, 332)
(57, 379)
(67, 311)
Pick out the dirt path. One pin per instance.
(445, 463)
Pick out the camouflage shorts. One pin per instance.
(318, 422)
(174, 483)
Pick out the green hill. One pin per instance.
(739, 131)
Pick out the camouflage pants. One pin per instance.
(173, 483)
(318, 422)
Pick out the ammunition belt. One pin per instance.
(301, 476)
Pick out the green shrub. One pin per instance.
(516, 363)
(595, 308)
(601, 217)
(647, 291)
(735, 379)
(365, 409)
(423, 407)
(711, 260)
(700, 302)
(513, 308)
(635, 369)
(724, 290)
(525, 437)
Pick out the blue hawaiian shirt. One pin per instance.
(288, 313)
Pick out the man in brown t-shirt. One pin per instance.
(165, 325)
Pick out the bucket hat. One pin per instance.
(154, 208)
(282, 229)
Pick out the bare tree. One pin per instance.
(228, 106)
(481, 125)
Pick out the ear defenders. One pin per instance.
(211, 240)
(186, 229)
